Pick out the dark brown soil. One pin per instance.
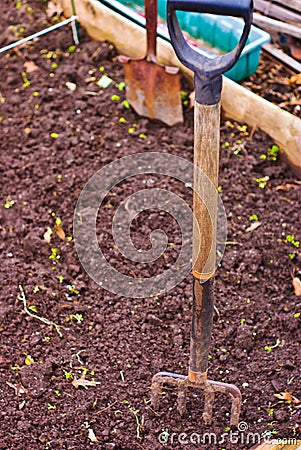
(121, 342)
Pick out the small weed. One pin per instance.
(126, 104)
(68, 375)
(9, 203)
(291, 240)
(54, 255)
(72, 48)
(253, 218)
(26, 82)
(78, 317)
(268, 348)
(262, 181)
(50, 407)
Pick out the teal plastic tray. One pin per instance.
(220, 33)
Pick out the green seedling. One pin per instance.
(72, 289)
(121, 86)
(122, 120)
(72, 48)
(297, 315)
(184, 98)
(78, 317)
(126, 104)
(262, 181)
(54, 66)
(18, 5)
(57, 392)
(68, 375)
(54, 135)
(33, 308)
(242, 321)
(253, 218)
(273, 152)
(54, 255)
(142, 136)
(270, 348)
(26, 82)
(115, 98)
(135, 413)
(9, 203)
(291, 240)
(50, 407)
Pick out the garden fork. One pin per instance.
(208, 85)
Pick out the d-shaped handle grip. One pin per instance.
(208, 71)
(236, 8)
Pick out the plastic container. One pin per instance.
(220, 34)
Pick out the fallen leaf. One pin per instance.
(47, 235)
(287, 397)
(91, 435)
(70, 86)
(83, 382)
(59, 231)
(17, 388)
(297, 286)
(30, 66)
(253, 226)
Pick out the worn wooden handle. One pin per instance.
(206, 159)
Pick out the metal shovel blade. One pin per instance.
(153, 90)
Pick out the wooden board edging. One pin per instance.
(238, 103)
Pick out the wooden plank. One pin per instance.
(283, 57)
(271, 24)
(293, 4)
(238, 103)
(278, 12)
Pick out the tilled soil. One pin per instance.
(55, 136)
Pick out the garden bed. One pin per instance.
(58, 129)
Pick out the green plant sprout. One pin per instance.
(268, 348)
(78, 317)
(262, 181)
(291, 240)
(135, 413)
(68, 375)
(54, 255)
(26, 82)
(253, 218)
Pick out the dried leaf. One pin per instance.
(47, 236)
(253, 226)
(30, 66)
(59, 231)
(71, 86)
(91, 435)
(83, 382)
(17, 388)
(297, 286)
(295, 79)
(287, 397)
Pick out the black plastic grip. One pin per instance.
(236, 8)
